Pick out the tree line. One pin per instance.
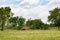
(7, 21)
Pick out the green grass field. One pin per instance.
(30, 35)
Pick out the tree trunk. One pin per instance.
(2, 27)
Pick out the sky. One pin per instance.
(34, 9)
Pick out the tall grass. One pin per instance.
(30, 35)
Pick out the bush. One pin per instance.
(37, 24)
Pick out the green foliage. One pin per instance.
(29, 22)
(21, 22)
(54, 17)
(4, 15)
(13, 22)
(7, 19)
(36, 24)
(17, 22)
(46, 26)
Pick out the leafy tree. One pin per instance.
(29, 22)
(5, 13)
(13, 22)
(54, 17)
(35, 24)
(21, 22)
(16, 22)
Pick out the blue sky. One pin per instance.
(44, 2)
(31, 8)
(16, 2)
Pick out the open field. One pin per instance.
(30, 35)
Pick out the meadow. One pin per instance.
(30, 35)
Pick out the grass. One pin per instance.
(30, 35)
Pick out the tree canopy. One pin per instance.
(54, 17)
(5, 14)
(36, 24)
(17, 22)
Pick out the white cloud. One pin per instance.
(31, 1)
(32, 9)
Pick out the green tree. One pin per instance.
(29, 22)
(21, 22)
(16, 22)
(5, 13)
(54, 17)
(35, 24)
(13, 22)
